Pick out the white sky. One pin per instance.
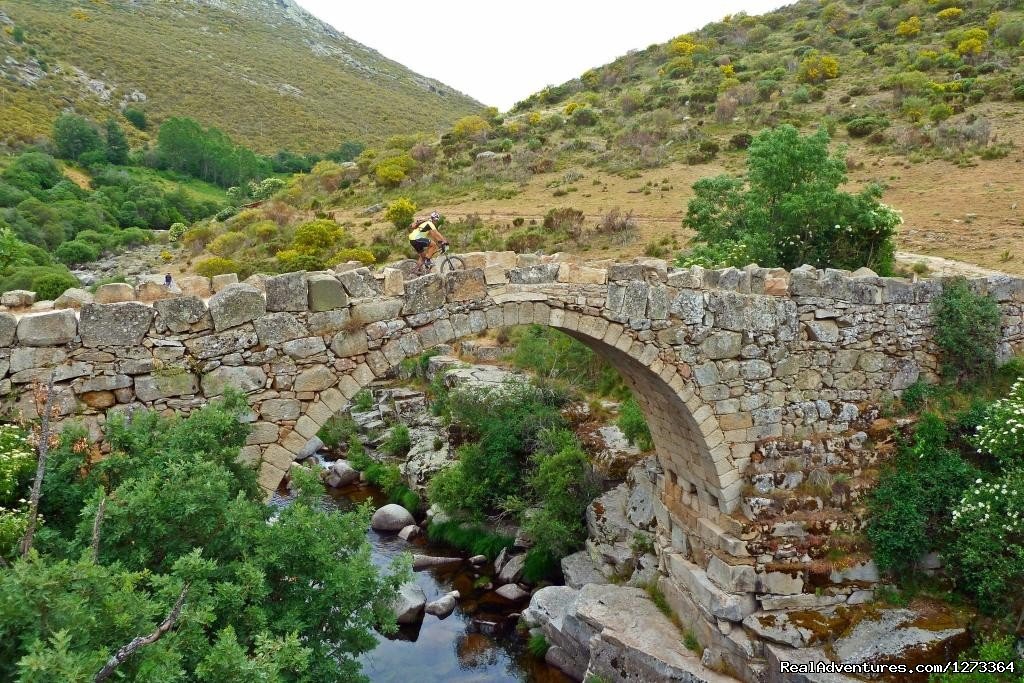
(500, 53)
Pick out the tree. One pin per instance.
(136, 117)
(74, 136)
(789, 210)
(117, 143)
(187, 582)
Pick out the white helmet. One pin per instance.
(435, 216)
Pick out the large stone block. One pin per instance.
(326, 293)
(8, 326)
(278, 409)
(710, 597)
(375, 310)
(423, 294)
(123, 324)
(316, 378)
(581, 275)
(532, 275)
(48, 329)
(244, 378)
(721, 345)
(347, 344)
(298, 349)
(166, 384)
(394, 282)
(359, 283)
(466, 285)
(232, 341)
(288, 292)
(180, 313)
(17, 298)
(235, 305)
(329, 322)
(73, 298)
(155, 291)
(114, 292)
(195, 285)
(274, 329)
(221, 282)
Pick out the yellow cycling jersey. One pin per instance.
(422, 231)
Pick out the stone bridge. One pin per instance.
(721, 361)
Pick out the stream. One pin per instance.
(477, 643)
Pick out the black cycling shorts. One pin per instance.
(419, 245)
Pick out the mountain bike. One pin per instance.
(447, 261)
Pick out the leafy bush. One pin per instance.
(555, 356)
(364, 256)
(967, 330)
(75, 252)
(226, 244)
(74, 136)
(49, 287)
(909, 27)
(634, 425)
(393, 170)
(136, 117)
(815, 68)
(336, 431)
(910, 509)
(215, 265)
(789, 210)
(584, 116)
(987, 552)
(866, 125)
(1001, 431)
(401, 212)
(397, 444)
(565, 220)
(473, 126)
(176, 232)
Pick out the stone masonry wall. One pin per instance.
(722, 361)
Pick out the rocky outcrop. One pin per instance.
(409, 604)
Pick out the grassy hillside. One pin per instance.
(264, 71)
(924, 98)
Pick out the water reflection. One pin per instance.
(477, 643)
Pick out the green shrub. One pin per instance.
(940, 112)
(49, 287)
(1001, 430)
(364, 256)
(176, 232)
(967, 330)
(553, 355)
(75, 136)
(525, 241)
(397, 444)
(634, 425)
(362, 401)
(133, 237)
(136, 117)
(76, 252)
(336, 431)
(215, 265)
(401, 212)
(864, 126)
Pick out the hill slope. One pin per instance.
(266, 72)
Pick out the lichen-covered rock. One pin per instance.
(273, 329)
(287, 292)
(391, 517)
(73, 298)
(47, 329)
(424, 293)
(220, 282)
(8, 326)
(279, 409)
(316, 378)
(235, 305)
(466, 285)
(166, 384)
(359, 283)
(532, 275)
(195, 285)
(17, 298)
(123, 324)
(326, 292)
(181, 313)
(114, 293)
(244, 378)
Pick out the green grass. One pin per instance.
(471, 538)
(538, 645)
(255, 77)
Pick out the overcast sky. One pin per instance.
(500, 53)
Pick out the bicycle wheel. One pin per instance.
(452, 263)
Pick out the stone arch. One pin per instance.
(700, 476)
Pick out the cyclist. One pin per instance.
(426, 239)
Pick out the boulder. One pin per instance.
(896, 634)
(73, 298)
(273, 329)
(48, 329)
(394, 282)
(443, 606)
(359, 283)
(114, 292)
(410, 532)
(195, 285)
(580, 569)
(391, 517)
(8, 326)
(325, 292)
(220, 282)
(288, 292)
(149, 290)
(329, 322)
(549, 606)
(512, 592)
(341, 474)
(246, 379)
(180, 313)
(17, 298)
(424, 293)
(123, 324)
(424, 460)
(236, 304)
(513, 569)
(409, 604)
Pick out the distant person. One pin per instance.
(167, 281)
(426, 239)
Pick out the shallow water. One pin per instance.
(477, 643)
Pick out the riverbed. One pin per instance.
(477, 643)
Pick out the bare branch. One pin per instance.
(43, 449)
(122, 655)
(97, 522)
